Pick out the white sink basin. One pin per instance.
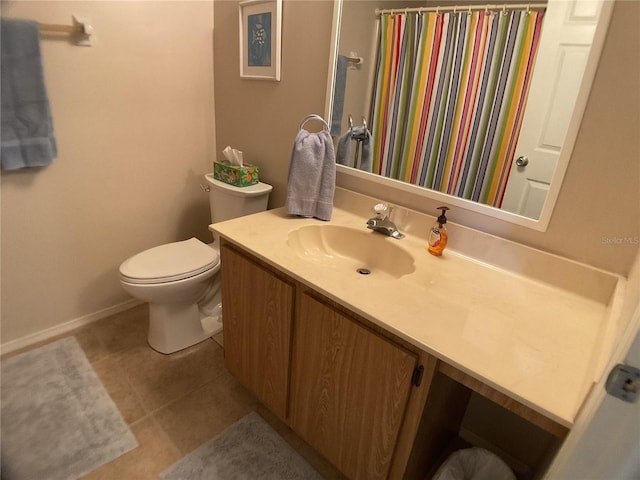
(358, 251)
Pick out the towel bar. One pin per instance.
(80, 29)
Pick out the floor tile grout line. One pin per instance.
(133, 389)
(150, 412)
(167, 436)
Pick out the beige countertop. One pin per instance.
(527, 323)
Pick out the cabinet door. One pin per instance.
(350, 389)
(257, 311)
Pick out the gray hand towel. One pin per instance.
(312, 176)
(366, 163)
(344, 150)
(362, 136)
(27, 128)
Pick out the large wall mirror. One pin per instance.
(568, 43)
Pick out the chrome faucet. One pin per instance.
(382, 223)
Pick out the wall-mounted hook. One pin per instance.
(354, 61)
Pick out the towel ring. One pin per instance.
(313, 116)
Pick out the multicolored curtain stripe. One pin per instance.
(449, 98)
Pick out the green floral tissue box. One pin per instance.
(234, 175)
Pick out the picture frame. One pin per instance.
(260, 39)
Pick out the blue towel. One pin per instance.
(340, 85)
(366, 159)
(312, 176)
(343, 154)
(27, 128)
(362, 136)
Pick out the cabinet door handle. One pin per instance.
(416, 378)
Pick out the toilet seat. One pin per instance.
(170, 262)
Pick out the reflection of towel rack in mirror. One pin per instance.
(313, 116)
(364, 124)
(359, 135)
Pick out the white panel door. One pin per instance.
(567, 35)
(604, 443)
(609, 448)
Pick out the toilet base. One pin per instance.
(176, 326)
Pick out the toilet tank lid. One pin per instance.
(249, 191)
(175, 259)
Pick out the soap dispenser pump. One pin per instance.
(438, 234)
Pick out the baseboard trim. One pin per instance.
(51, 332)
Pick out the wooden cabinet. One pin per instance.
(351, 394)
(349, 389)
(346, 385)
(257, 307)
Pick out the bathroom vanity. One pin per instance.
(385, 373)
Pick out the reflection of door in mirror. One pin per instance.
(562, 58)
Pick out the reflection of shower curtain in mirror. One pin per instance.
(449, 98)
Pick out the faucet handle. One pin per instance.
(381, 209)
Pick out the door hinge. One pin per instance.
(416, 378)
(624, 383)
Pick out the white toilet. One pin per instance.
(180, 280)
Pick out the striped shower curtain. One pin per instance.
(449, 98)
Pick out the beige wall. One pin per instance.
(133, 117)
(261, 117)
(601, 192)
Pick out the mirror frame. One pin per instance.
(541, 224)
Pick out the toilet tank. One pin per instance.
(228, 201)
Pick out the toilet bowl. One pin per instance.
(180, 280)
(176, 280)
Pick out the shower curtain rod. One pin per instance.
(465, 8)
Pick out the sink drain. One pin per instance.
(363, 271)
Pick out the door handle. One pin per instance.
(624, 383)
(522, 161)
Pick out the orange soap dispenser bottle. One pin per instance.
(438, 234)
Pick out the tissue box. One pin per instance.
(232, 174)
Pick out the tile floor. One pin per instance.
(172, 403)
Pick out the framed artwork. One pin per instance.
(260, 36)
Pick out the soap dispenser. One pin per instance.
(438, 234)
